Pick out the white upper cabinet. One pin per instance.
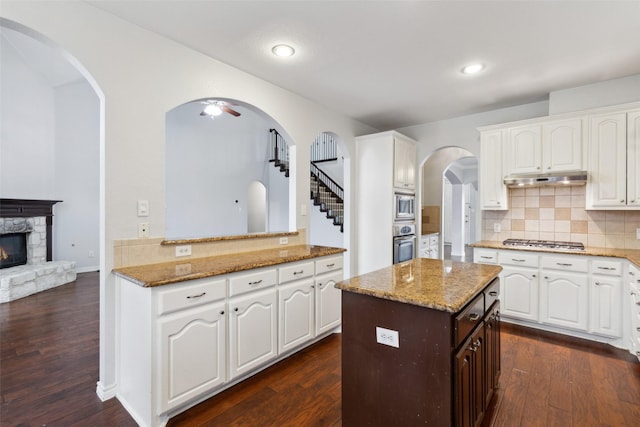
(607, 186)
(404, 158)
(493, 192)
(562, 146)
(524, 149)
(554, 146)
(633, 158)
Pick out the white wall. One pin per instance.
(76, 176)
(139, 77)
(50, 150)
(210, 165)
(322, 231)
(27, 137)
(610, 92)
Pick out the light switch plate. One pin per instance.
(143, 208)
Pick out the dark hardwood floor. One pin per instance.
(49, 369)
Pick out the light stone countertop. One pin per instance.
(197, 268)
(632, 255)
(436, 284)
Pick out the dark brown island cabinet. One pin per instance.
(412, 365)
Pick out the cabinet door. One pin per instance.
(192, 354)
(253, 333)
(404, 163)
(296, 319)
(492, 351)
(519, 293)
(633, 159)
(469, 380)
(634, 305)
(328, 302)
(607, 161)
(564, 299)
(524, 149)
(606, 306)
(562, 146)
(493, 192)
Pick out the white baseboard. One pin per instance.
(87, 269)
(106, 392)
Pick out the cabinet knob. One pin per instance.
(597, 283)
(235, 309)
(538, 167)
(622, 201)
(549, 167)
(533, 275)
(498, 202)
(632, 201)
(222, 313)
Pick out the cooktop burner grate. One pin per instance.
(546, 244)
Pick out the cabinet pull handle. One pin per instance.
(518, 260)
(607, 268)
(474, 316)
(486, 257)
(256, 283)
(622, 201)
(638, 329)
(632, 201)
(637, 302)
(493, 293)
(564, 264)
(330, 265)
(196, 296)
(298, 272)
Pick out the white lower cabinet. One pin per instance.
(192, 353)
(296, 302)
(183, 342)
(328, 302)
(606, 306)
(634, 310)
(564, 299)
(253, 332)
(519, 293)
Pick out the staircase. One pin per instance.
(325, 192)
(328, 196)
(279, 152)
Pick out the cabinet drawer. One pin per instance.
(468, 319)
(611, 268)
(190, 294)
(295, 272)
(576, 263)
(243, 283)
(522, 259)
(328, 264)
(491, 294)
(482, 256)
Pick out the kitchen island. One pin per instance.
(420, 344)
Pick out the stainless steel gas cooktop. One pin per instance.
(544, 244)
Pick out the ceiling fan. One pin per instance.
(214, 108)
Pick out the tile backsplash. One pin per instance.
(558, 213)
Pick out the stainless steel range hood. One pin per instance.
(540, 180)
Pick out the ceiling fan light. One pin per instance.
(472, 68)
(213, 110)
(283, 50)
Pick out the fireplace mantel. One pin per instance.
(26, 208)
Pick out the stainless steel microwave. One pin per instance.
(404, 207)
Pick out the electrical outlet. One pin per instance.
(638, 233)
(387, 337)
(183, 269)
(496, 227)
(143, 229)
(304, 209)
(284, 240)
(183, 250)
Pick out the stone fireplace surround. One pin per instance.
(35, 218)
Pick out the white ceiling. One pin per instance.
(395, 63)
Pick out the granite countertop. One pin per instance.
(632, 255)
(189, 269)
(440, 285)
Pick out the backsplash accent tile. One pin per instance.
(557, 213)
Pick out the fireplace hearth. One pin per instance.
(26, 265)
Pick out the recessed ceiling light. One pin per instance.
(283, 50)
(472, 68)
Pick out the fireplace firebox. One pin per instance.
(13, 249)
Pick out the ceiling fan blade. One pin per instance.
(230, 111)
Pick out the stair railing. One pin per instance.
(324, 148)
(278, 148)
(326, 181)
